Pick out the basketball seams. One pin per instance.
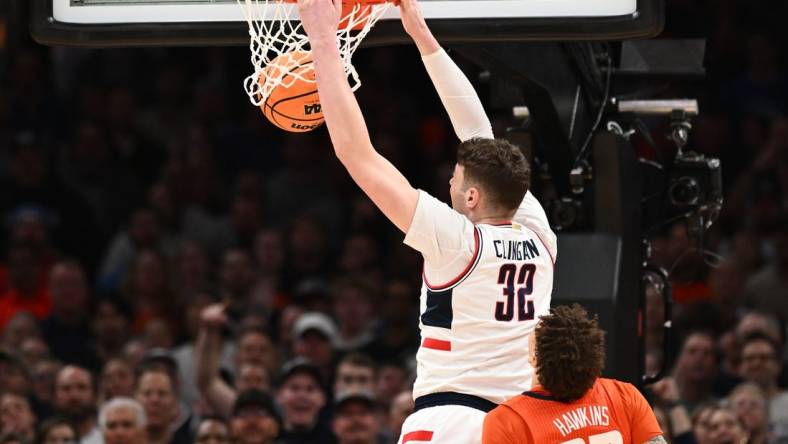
(272, 109)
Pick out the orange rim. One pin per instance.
(353, 2)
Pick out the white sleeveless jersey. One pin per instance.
(484, 288)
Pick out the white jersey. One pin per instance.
(484, 288)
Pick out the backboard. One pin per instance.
(113, 23)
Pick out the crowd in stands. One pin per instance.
(174, 269)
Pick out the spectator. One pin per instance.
(695, 369)
(246, 216)
(56, 431)
(749, 403)
(123, 421)
(67, 329)
(28, 226)
(766, 290)
(184, 354)
(728, 346)
(117, 380)
(401, 407)
(17, 417)
(158, 334)
(236, 278)
(399, 316)
(255, 419)
(761, 365)
(193, 268)
(147, 288)
(352, 307)
(112, 327)
(307, 247)
(44, 380)
(21, 326)
(725, 426)
(168, 422)
(135, 351)
(301, 188)
(312, 294)
(26, 292)
(301, 395)
(14, 375)
(759, 322)
(216, 391)
(254, 356)
(253, 346)
(392, 380)
(355, 420)
(701, 425)
(252, 376)
(144, 232)
(313, 339)
(269, 256)
(726, 281)
(359, 255)
(75, 399)
(32, 183)
(287, 319)
(667, 396)
(355, 373)
(33, 350)
(212, 430)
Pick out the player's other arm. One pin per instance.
(375, 175)
(458, 96)
(463, 106)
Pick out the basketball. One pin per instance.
(294, 104)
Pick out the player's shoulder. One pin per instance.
(523, 401)
(624, 391)
(609, 384)
(507, 409)
(435, 207)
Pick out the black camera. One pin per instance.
(567, 213)
(695, 182)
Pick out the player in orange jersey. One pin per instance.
(571, 404)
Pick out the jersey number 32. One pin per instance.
(517, 284)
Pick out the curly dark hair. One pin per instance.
(570, 352)
(498, 167)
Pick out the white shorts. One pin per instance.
(445, 424)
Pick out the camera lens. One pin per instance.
(566, 213)
(684, 191)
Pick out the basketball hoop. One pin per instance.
(274, 32)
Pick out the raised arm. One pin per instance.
(464, 108)
(458, 96)
(375, 175)
(216, 392)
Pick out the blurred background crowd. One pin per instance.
(173, 269)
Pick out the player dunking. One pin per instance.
(488, 262)
(572, 404)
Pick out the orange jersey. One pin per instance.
(612, 412)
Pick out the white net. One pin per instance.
(278, 43)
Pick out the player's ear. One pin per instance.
(471, 197)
